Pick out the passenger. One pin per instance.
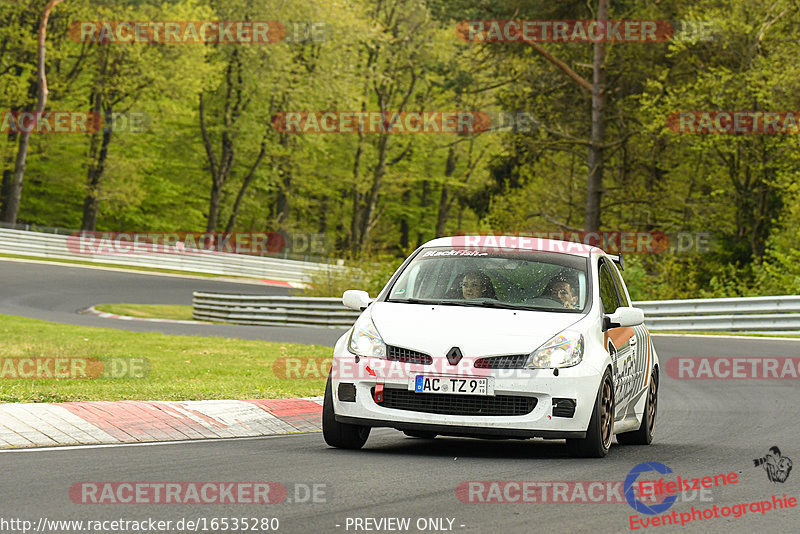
(477, 285)
(563, 291)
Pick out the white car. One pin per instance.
(497, 337)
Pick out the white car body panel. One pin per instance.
(481, 332)
(420, 327)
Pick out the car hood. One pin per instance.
(435, 329)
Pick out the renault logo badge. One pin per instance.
(454, 356)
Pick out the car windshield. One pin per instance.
(504, 278)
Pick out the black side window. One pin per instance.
(608, 293)
(620, 286)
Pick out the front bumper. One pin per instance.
(579, 383)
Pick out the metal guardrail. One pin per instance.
(48, 245)
(747, 314)
(272, 311)
(730, 306)
(750, 314)
(769, 315)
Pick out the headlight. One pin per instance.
(365, 339)
(562, 350)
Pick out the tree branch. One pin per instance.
(561, 65)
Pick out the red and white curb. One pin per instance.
(107, 422)
(106, 315)
(283, 283)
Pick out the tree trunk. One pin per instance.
(594, 189)
(355, 223)
(404, 226)
(323, 209)
(14, 196)
(97, 165)
(367, 221)
(213, 206)
(245, 185)
(423, 203)
(220, 172)
(8, 173)
(283, 202)
(445, 202)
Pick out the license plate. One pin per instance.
(451, 385)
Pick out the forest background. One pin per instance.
(600, 157)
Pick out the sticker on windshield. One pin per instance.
(454, 253)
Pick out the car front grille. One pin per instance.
(448, 404)
(398, 354)
(516, 361)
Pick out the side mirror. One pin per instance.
(624, 316)
(356, 299)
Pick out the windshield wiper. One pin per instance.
(417, 301)
(439, 302)
(498, 304)
(455, 302)
(483, 304)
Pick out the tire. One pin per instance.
(601, 424)
(644, 435)
(420, 434)
(336, 434)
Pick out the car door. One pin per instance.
(643, 344)
(621, 342)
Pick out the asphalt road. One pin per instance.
(56, 293)
(705, 428)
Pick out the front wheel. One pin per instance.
(644, 434)
(336, 434)
(601, 425)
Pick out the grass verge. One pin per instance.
(149, 311)
(181, 367)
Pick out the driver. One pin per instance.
(477, 285)
(562, 290)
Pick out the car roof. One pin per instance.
(490, 241)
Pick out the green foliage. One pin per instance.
(370, 276)
(377, 197)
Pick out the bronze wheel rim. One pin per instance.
(607, 413)
(652, 404)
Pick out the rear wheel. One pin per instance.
(336, 434)
(420, 434)
(644, 435)
(601, 425)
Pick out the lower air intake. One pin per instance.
(448, 404)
